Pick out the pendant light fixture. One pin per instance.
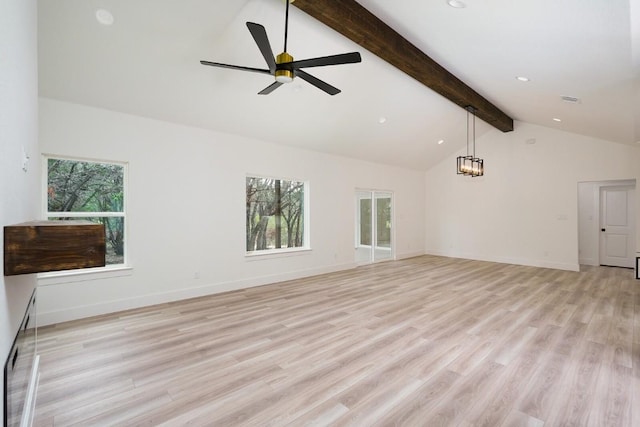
(470, 165)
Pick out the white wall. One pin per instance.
(18, 129)
(186, 208)
(524, 210)
(588, 205)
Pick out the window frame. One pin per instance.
(306, 240)
(125, 265)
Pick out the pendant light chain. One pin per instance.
(467, 133)
(474, 133)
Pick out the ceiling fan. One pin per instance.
(283, 67)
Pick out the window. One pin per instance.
(275, 214)
(91, 191)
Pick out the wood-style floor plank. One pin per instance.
(423, 341)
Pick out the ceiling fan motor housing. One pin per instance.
(284, 75)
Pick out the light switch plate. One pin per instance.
(25, 160)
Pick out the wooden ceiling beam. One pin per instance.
(358, 24)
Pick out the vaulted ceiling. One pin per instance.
(147, 63)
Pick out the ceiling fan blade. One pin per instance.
(260, 36)
(317, 82)
(267, 90)
(235, 67)
(343, 58)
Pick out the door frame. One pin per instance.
(594, 217)
(372, 194)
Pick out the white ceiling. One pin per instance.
(147, 63)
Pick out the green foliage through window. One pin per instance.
(89, 191)
(275, 214)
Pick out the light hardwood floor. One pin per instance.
(428, 341)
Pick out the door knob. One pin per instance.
(602, 229)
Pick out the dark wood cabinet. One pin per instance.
(41, 246)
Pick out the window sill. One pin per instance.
(83, 275)
(275, 253)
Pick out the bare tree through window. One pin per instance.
(274, 214)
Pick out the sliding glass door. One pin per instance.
(374, 217)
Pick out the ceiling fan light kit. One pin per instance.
(284, 75)
(283, 67)
(470, 165)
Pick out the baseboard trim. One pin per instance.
(508, 260)
(409, 255)
(588, 261)
(81, 312)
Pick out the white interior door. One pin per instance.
(374, 216)
(617, 226)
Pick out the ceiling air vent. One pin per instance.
(570, 99)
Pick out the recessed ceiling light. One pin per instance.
(441, 142)
(456, 3)
(555, 119)
(104, 17)
(382, 120)
(522, 78)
